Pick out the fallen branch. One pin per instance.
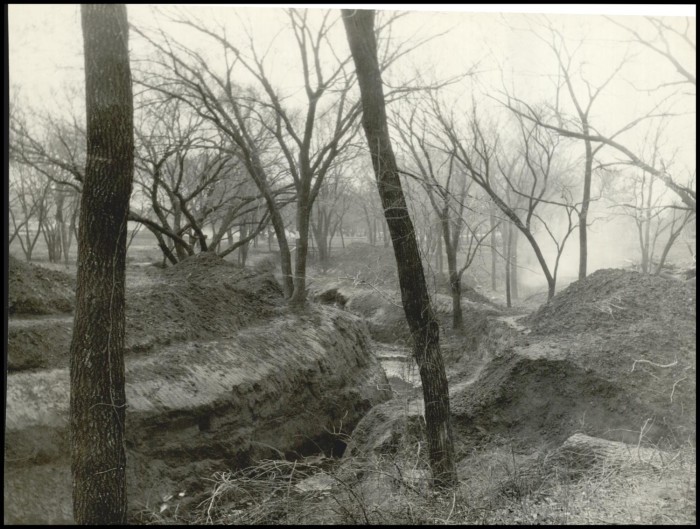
(652, 363)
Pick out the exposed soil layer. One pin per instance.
(241, 378)
(612, 356)
(35, 290)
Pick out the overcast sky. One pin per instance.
(45, 52)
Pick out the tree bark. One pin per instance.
(494, 254)
(506, 255)
(585, 203)
(97, 399)
(359, 26)
(514, 264)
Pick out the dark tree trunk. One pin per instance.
(514, 264)
(583, 214)
(506, 254)
(359, 26)
(303, 213)
(494, 254)
(97, 399)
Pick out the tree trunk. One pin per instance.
(494, 254)
(97, 399)
(506, 255)
(359, 26)
(583, 214)
(514, 264)
(303, 213)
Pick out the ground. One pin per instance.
(612, 356)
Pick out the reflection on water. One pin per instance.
(401, 373)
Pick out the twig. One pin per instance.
(674, 386)
(652, 363)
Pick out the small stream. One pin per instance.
(400, 368)
(402, 371)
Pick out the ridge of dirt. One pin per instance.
(611, 297)
(35, 290)
(203, 297)
(611, 356)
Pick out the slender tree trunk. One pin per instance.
(303, 213)
(97, 399)
(506, 255)
(359, 25)
(583, 214)
(494, 254)
(455, 276)
(514, 264)
(673, 235)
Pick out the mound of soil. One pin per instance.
(612, 356)
(36, 290)
(285, 387)
(202, 297)
(608, 299)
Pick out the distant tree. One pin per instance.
(330, 207)
(653, 212)
(97, 396)
(674, 45)
(520, 184)
(583, 105)
(447, 187)
(28, 206)
(359, 26)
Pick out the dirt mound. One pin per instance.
(202, 297)
(286, 386)
(609, 298)
(36, 290)
(365, 264)
(612, 356)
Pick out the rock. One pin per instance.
(387, 428)
(198, 407)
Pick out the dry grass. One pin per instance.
(497, 486)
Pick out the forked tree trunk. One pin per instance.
(359, 26)
(97, 399)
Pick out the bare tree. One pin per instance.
(97, 398)
(528, 176)
(309, 143)
(583, 106)
(359, 26)
(191, 179)
(666, 41)
(447, 187)
(331, 205)
(29, 198)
